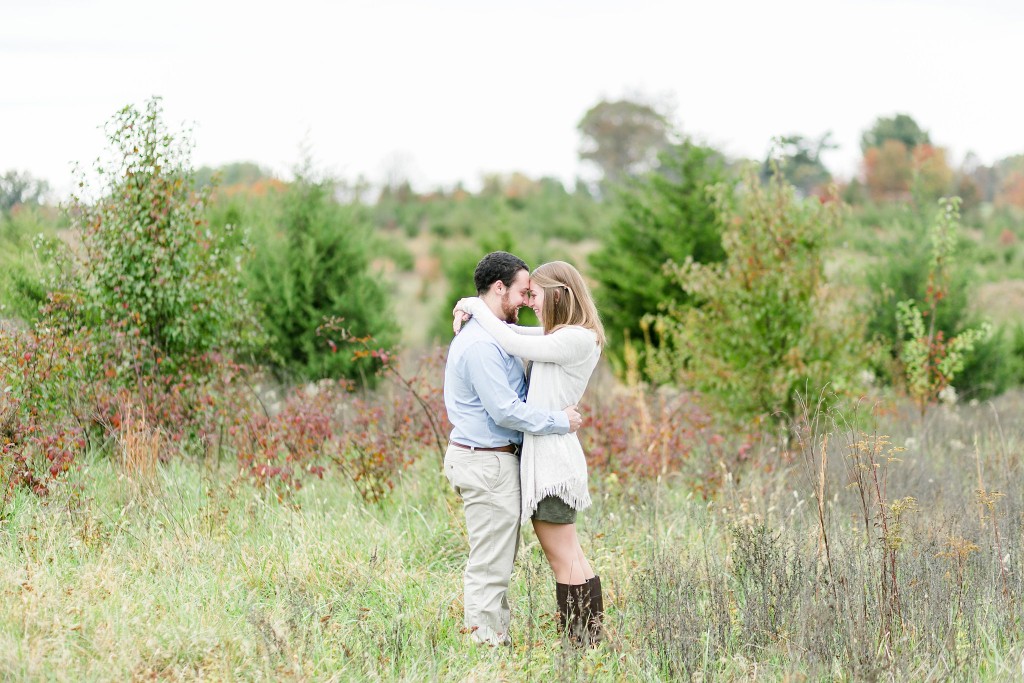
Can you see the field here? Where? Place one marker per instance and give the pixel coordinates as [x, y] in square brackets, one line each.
[833, 555]
[212, 466]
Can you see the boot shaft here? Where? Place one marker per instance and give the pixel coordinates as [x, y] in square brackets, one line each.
[580, 609]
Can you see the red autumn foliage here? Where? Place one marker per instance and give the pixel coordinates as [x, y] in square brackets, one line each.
[65, 391]
[39, 437]
[639, 433]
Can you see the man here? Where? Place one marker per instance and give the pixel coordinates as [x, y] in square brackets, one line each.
[485, 393]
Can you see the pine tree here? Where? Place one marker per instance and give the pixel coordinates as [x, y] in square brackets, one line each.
[316, 266]
[667, 215]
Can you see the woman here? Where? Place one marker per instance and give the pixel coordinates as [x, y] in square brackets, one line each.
[553, 468]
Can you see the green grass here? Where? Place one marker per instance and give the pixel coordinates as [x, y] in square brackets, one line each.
[197, 576]
[205, 578]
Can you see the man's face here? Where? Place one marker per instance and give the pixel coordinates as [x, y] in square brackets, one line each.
[515, 296]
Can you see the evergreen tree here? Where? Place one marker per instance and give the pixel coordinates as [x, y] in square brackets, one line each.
[315, 266]
[666, 215]
[458, 267]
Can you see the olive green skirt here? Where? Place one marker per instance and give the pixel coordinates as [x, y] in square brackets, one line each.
[554, 510]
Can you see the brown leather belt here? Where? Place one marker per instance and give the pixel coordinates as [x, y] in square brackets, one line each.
[511, 448]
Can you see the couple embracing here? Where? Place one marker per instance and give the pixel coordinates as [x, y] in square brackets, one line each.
[514, 454]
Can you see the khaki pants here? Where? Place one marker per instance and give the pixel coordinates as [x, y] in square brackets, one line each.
[488, 483]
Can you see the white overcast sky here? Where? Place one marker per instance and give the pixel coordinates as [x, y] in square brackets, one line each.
[447, 90]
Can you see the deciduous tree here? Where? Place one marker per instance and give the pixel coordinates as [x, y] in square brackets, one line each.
[622, 137]
[901, 128]
[888, 171]
[1010, 173]
[799, 160]
[764, 324]
[20, 188]
[150, 264]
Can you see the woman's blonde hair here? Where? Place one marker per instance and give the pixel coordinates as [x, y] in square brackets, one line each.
[567, 299]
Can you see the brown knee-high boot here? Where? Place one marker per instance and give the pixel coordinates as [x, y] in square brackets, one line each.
[595, 626]
[562, 597]
[574, 611]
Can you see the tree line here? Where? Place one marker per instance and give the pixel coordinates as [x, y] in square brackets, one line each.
[710, 272]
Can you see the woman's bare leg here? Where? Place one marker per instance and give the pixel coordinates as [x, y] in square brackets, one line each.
[562, 548]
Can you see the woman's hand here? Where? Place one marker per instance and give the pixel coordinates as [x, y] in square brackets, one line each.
[460, 318]
[463, 311]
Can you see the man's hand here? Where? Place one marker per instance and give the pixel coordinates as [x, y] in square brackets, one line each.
[575, 419]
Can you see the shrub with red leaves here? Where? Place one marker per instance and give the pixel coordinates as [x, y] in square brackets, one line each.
[370, 436]
[274, 451]
[41, 429]
[647, 434]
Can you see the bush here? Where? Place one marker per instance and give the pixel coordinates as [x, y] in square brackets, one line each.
[763, 325]
[150, 266]
[41, 431]
[995, 366]
[637, 433]
[371, 437]
[903, 273]
[919, 314]
[138, 314]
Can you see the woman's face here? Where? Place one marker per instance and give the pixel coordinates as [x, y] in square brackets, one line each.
[536, 299]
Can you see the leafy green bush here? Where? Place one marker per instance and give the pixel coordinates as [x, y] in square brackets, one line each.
[150, 267]
[930, 359]
[763, 324]
[138, 314]
[44, 377]
[666, 215]
[904, 271]
[1001, 233]
[311, 263]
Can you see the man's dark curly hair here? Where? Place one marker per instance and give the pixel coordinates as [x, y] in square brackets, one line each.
[498, 265]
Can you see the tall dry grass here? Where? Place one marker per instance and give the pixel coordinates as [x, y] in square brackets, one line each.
[810, 564]
[139, 448]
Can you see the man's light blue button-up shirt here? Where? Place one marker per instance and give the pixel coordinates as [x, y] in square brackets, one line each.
[485, 394]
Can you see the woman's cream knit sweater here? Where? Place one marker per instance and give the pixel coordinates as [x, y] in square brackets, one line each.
[553, 464]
